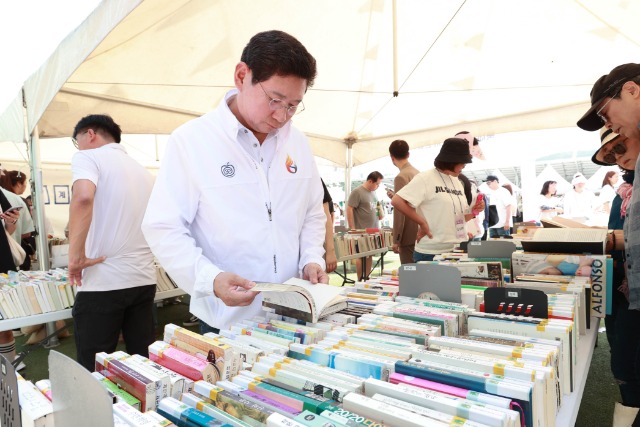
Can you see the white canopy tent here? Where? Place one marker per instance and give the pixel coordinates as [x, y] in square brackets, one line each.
[414, 69]
[419, 70]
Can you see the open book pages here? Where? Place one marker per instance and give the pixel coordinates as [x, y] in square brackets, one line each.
[561, 222]
[300, 299]
[567, 240]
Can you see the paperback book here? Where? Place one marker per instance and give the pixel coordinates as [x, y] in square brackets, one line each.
[300, 299]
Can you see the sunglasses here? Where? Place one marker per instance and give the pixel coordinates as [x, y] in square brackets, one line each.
[620, 148]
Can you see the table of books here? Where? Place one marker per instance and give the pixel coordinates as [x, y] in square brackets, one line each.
[380, 365]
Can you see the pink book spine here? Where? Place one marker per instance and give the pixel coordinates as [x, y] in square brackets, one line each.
[396, 378]
[177, 362]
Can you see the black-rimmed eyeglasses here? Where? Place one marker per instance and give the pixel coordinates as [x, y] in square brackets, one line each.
[278, 104]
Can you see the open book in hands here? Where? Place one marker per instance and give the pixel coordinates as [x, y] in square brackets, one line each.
[300, 299]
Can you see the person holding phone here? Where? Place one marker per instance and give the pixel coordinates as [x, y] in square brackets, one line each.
[13, 184]
[9, 218]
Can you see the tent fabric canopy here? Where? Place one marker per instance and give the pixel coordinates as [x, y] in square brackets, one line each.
[419, 70]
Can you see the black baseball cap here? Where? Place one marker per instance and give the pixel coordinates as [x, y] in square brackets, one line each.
[606, 86]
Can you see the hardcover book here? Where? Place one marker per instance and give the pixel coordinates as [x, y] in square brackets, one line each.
[300, 299]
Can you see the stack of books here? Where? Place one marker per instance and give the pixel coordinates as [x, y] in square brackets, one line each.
[597, 268]
[28, 293]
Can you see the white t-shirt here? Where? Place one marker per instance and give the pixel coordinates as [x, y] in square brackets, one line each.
[607, 194]
[578, 205]
[123, 187]
[547, 203]
[501, 198]
[437, 198]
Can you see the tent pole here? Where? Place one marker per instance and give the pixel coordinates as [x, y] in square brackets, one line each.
[347, 170]
[395, 47]
[42, 245]
[33, 146]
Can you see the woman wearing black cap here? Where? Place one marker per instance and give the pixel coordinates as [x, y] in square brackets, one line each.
[435, 200]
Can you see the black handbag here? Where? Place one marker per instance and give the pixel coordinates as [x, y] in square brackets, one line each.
[493, 215]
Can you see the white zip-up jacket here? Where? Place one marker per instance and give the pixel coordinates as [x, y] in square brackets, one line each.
[213, 209]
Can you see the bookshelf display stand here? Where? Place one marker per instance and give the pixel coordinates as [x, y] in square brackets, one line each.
[9, 394]
[363, 256]
[92, 407]
[52, 316]
[571, 403]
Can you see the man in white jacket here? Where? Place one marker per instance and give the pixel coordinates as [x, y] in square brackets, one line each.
[238, 198]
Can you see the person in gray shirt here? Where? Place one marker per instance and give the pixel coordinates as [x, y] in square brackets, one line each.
[363, 210]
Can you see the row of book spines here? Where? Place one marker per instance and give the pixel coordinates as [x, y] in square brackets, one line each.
[26, 299]
[350, 244]
[347, 414]
[164, 281]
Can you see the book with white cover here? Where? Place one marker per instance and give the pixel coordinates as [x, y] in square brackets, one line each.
[35, 409]
[449, 420]
[299, 298]
[455, 406]
[387, 413]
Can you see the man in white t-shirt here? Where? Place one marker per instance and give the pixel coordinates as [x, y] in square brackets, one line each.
[109, 259]
[501, 198]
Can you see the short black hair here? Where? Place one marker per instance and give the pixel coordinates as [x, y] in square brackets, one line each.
[99, 122]
[399, 149]
[445, 166]
[374, 176]
[275, 52]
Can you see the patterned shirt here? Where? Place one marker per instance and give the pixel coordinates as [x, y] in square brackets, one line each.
[632, 243]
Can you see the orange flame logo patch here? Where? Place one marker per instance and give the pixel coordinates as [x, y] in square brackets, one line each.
[290, 165]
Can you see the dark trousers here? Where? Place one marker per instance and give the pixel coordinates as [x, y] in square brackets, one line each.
[419, 256]
[623, 334]
[100, 316]
[497, 232]
[205, 327]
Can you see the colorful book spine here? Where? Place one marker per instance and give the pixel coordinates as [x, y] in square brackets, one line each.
[386, 413]
[294, 400]
[118, 394]
[176, 381]
[130, 380]
[429, 413]
[489, 399]
[222, 355]
[273, 404]
[181, 362]
[201, 405]
[180, 411]
[45, 388]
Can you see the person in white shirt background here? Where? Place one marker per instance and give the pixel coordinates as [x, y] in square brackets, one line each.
[502, 199]
[579, 202]
[109, 260]
[608, 191]
[238, 198]
[548, 202]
